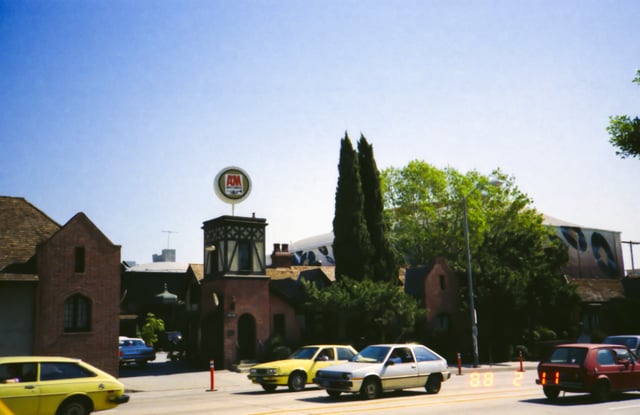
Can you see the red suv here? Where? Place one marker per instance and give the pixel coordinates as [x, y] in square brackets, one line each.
[599, 369]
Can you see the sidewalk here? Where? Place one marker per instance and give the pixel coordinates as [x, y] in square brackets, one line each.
[163, 375]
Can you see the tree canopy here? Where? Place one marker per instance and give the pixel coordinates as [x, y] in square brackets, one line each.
[624, 132]
[516, 260]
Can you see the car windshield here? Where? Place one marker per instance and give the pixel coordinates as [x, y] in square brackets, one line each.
[304, 353]
[372, 354]
[569, 355]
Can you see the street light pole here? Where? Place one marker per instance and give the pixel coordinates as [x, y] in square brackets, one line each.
[474, 323]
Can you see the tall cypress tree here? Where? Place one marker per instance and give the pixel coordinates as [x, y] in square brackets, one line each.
[384, 266]
[352, 248]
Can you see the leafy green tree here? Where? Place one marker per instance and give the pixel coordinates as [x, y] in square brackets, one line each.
[370, 311]
[515, 260]
[624, 132]
[384, 262]
[152, 327]
[352, 248]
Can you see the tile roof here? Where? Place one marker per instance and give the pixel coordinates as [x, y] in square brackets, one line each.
[598, 289]
[22, 228]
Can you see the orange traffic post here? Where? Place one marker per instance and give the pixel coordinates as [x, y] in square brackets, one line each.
[212, 371]
[459, 365]
[521, 367]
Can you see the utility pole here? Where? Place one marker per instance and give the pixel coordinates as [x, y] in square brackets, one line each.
[631, 243]
[169, 236]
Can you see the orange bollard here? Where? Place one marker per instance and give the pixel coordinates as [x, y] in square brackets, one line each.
[521, 367]
[212, 371]
[459, 365]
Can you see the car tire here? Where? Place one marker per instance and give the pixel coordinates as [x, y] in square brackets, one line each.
[73, 407]
[334, 394]
[370, 389]
[602, 391]
[434, 383]
[551, 393]
[297, 381]
[269, 388]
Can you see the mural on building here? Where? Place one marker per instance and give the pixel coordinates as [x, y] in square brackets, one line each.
[593, 253]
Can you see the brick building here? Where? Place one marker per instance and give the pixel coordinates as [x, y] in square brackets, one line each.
[59, 286]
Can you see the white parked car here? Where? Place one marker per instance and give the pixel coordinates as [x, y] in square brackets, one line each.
[383, 367]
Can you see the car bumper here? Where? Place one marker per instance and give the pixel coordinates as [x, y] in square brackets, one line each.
[269, 379]
[119, 399]
[342, 385]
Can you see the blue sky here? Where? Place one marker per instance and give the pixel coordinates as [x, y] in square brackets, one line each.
[126, 110]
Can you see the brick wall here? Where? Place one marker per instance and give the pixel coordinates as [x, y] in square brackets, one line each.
[99, 282]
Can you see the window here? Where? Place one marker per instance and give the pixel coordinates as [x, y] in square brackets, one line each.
[244, 256]
[279, 325]
[425, 355]
[442, 282]
[441, 322]
[77, 314]
[344, 353]
[79, 259]
[605, 357]
[63, 370]
[18, 372]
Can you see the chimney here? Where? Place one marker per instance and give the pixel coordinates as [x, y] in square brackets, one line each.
[281, 258]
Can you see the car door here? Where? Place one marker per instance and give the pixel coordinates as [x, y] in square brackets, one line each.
[19, 389]
[325, 357]
[428, 363]
[629, 369]
[400, 370]
[606, 364]
[60, 379]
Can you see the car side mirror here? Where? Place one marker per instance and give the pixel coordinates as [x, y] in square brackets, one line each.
[389, 363]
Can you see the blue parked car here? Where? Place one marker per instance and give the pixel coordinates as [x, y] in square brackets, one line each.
[134, 350]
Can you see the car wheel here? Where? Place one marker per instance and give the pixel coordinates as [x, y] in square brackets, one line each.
[74, 407]
[433, 384]
[370, 389]
[269, 388]
[602, 391]
[334, 394]
[551, 393]
[297, 381]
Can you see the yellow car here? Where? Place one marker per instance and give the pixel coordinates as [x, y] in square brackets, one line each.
[44, 385]
[300, 368]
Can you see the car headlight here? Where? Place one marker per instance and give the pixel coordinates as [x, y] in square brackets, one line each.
[346, 376]
[253, 371]
[272, 371]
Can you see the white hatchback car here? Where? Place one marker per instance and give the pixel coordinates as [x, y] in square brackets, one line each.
[383, 367]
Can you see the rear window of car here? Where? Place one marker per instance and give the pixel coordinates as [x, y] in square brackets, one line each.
[568, 355]
[344, 353]
[63, 370]
[425, 355]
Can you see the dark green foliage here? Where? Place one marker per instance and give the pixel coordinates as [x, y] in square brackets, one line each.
[516, 260]
[624, 132]
[384, 263]
[352, 247]
[370, 311]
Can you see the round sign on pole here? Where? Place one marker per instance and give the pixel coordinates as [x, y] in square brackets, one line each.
[232, 185]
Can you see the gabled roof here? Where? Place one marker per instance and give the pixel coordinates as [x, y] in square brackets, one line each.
[22, 228]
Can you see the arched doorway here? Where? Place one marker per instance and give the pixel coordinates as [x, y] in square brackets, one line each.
[246, 337]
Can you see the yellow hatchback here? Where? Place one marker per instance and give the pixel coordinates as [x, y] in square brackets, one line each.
[300, 368]
[44, 385]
